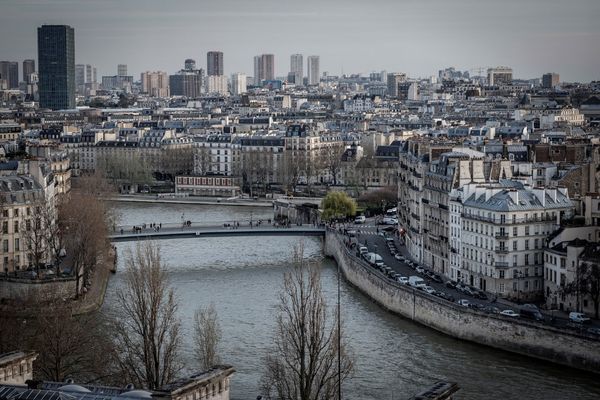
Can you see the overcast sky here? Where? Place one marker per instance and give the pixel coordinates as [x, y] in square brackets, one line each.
[418, 37]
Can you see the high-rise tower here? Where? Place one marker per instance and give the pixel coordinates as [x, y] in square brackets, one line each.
[313, 70]
[56, 58]
[297, 68]
[28, 69]
[214, 63]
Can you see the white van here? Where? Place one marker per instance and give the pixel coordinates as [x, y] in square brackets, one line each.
[361, 219]
[416, 282]
[372, 258]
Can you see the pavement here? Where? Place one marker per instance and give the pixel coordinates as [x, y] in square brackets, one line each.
[375, 239]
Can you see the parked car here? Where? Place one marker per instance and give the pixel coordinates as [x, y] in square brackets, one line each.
[594, 331]
[416, 282]
[445, 296]
[402, 279]
[429, 289]
[492, 310]
[478, 294]
[463, 302]
[578, 317]
[363, 250]
[399, 257]
[361, 219]
[379, 264]
[451, 284]
[530, 311]
[420, 269]
[509, 313]
[437, 278]
[389, 221]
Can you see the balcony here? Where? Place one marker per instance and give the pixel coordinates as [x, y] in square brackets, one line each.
[501, 264]
[424, 201]
[501, 250]
[501, 235]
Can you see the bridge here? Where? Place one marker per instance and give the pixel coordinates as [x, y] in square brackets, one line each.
[180, 231]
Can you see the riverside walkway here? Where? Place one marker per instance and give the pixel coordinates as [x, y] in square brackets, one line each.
[178, 231]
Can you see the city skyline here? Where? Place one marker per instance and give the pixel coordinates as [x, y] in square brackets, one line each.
[528, 39]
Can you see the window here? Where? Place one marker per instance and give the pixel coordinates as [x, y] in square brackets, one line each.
[526, 259]
[501, 274]
[536, 243]
[514, 245]
[515, 231]
[5, 245]
[16, 226]
[526, 244]
[17, 244]
[5, 227]
[526, 230]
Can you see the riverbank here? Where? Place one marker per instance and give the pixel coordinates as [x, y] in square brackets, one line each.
[547, 343]
[32, 292]
[144, 198]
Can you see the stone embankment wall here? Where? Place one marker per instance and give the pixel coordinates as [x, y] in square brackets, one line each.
[520, 336]
[23, 289]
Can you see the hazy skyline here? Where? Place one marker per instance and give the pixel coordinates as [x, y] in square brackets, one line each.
[417, 37]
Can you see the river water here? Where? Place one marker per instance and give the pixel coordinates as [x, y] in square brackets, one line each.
[394, 357]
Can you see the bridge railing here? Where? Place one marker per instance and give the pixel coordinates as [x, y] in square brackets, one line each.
[186, 224]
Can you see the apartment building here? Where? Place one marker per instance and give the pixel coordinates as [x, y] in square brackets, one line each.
[502, 231]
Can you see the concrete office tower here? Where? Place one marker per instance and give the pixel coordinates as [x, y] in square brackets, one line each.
[267, 67]
[214, 63]
[80, 75]
[394, 80]
[9, 71]
[500, 76]
[257, 71]
[189, 64]
[122, 70]
[313, 70]
[94, 75]
[28, 69]
[297, 68]
[550, 80]
[155, 84]
[56, 58]
[238, 84]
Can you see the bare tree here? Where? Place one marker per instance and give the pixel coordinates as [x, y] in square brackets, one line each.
[125, 168]
[147, 333]
[85, 220]
[35, 231]
[207, 334]
[292, 171]
[303, 364]
[176, 161]
[331, 157]
[70, 346]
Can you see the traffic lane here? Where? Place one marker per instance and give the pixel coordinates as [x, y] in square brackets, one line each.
[378, 245]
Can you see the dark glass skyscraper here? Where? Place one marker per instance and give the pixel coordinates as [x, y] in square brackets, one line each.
[56, 59]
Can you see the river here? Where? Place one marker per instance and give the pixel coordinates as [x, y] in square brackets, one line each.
[394, 357]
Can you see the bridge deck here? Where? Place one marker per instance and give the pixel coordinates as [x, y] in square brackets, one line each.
[178, 233]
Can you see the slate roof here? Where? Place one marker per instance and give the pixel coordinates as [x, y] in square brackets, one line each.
[527, 201]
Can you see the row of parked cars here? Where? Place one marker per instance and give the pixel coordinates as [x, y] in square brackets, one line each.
[528, 311]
